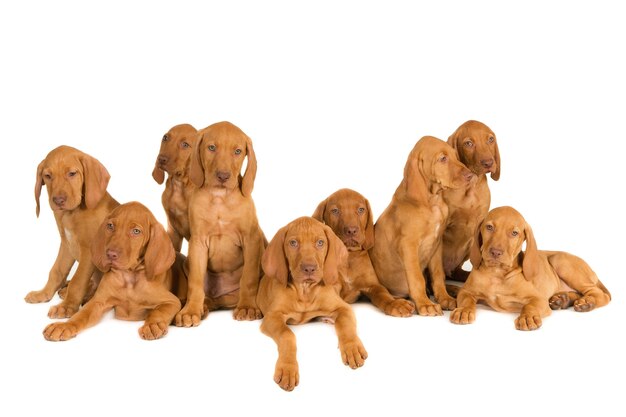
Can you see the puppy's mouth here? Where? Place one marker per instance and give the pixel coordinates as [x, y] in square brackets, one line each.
[352, 244]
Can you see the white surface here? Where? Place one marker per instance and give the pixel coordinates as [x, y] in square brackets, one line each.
[333, 95]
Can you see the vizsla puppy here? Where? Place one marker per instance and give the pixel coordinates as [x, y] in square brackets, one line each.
[350, 217]
[533, 282]
[77, 191]
[137, 257]
[226, 241]
[408, 233]
[477, 148]
[174, 157]
[303, 265]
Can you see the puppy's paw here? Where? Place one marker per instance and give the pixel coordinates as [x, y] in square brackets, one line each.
[56, 332]
[528, 322]
[447, 303]
[400, 308]
[429, 309]
[353, 354]
[34, 297]
[463, 316]
[153, 331]
[559, 301]
[189, 317]
[247, 313]
[286, 374]
[585, 304]
[62, 311]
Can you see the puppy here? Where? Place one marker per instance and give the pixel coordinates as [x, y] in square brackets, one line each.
[77, 191]
[226, 244]
[350, 217]
[477, 148]
[531, 282]
[303, 264]
[140, 273]
[408, 233]
[174, 157]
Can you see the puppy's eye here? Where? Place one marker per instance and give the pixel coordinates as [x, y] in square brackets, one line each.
[361, 210]
[185, 145]
[136, 231]
[468, 144]
[237, 151]
[212, 148]
[320, 243]
[71, 173]
[293, 243]
[334, 211]
[110, 226]
[47, 176]
[443, 158]
[165, 138]
[491, 139]
[489, 228]
[514, 233]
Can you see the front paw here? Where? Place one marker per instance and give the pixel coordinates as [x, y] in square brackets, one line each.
[447, 303]
[247, 313]
[56, 332]
[62, 311]
[429, 309]
[559, 301]
[463, 315]
[38, 297]
[153, 331]
[353, 354]
[400, 308]
[528, 321]
[286, 375]
[189, 317]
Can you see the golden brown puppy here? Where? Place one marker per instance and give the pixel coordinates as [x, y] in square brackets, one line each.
[226, 241]
[302, 265]
[137, 257]
[174, 158]
[531, 282]
[350, 217]
[477, 148]
[77, 191]
[408, 233]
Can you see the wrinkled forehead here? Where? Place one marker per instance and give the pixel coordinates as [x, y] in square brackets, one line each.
[179, 133]
[476, 130]
[346, 198]
[506, 218]
[130, 215]
[305, 229]
[61, 161]
[224, 135]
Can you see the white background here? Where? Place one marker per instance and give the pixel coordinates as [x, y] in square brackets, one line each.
[333, 94]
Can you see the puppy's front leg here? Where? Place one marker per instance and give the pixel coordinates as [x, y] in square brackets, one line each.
[198, 259]
[286, 373]
[247, 308]
[161, 316]
[353, 352]
[416, 281]
[88, 316]
[530, 317]
[438, 278]
[76, 289]
[465, 313]
[57, 276]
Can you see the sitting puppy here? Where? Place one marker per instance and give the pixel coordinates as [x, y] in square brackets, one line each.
[534, 281]
[350, 217]
[174, 157]
[140, 272]
[477, 149]
[409, 232]
[77, 191]
[302, 265]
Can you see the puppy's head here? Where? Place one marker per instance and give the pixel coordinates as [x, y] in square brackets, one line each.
[175, 153]
[499, 242]
[350, 217]
[219, 157]
[305, 252]
[477, 148]
[131, 238]
[72, 178]
[433, 164]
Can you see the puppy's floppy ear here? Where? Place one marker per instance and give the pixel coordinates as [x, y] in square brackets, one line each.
[98, 251]
[158, 174]
[320, 211]
[274, 261]
[247, 181]
[454, 141]
[530, 264]
[414, 182]
[38, 185]
[160, 254]
[96, 180]
[368, 243]
[336, 261]
[196, 170]
[495, 175]
[475, 250]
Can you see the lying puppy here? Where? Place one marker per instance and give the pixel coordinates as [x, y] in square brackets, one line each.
[350, 217]
[477, 148]
[302, 265]
[77, 191]
[534, 281]
[140, 272]
[408, 233]
[174, 157]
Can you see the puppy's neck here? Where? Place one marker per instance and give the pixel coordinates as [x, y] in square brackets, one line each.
[306, 291]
